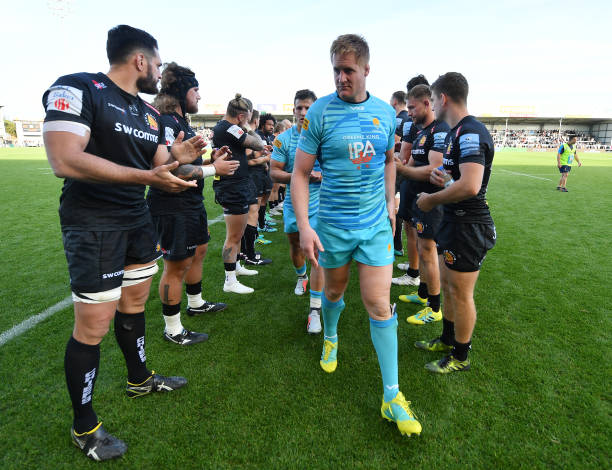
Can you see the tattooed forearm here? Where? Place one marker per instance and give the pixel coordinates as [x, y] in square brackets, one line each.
[188, 172]
[227, 255]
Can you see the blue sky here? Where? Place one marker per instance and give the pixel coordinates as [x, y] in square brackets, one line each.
[552, 58]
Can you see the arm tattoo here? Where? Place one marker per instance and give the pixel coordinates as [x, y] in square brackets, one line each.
[188, 172]
[227, 255]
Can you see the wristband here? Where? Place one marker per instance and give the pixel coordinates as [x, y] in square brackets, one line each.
[208, 170]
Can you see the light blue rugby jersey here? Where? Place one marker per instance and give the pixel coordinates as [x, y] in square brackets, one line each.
[283, 150]
[350, 141]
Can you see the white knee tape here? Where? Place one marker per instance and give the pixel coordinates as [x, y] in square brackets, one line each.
[97, 297]
[131, 277]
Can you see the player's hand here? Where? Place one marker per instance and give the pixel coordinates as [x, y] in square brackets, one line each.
[579, 163]
[224, 166]
[267, 150]
[424, 202]
[186, 151]
[398, 161]
[315, 177]
[311, 245]
[437, 178]
[162, 178]
[216, 153]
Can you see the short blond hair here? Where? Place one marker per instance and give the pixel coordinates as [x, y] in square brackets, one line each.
[351, 43]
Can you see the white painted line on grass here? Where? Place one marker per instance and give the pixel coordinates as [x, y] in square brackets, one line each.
[219, 218]
[525, 174]
[33, 321]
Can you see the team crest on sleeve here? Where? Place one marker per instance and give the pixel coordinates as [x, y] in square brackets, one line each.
[66, 99]
[305, 124]
[469, 144]
[406, 128]
[236, 131]
[152, 122]
[277, 143]
[169, 133]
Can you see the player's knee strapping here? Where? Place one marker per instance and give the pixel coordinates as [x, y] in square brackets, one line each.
[97, 297]
[131, 277]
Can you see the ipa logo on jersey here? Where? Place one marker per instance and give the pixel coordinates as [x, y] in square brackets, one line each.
[376, 121]
[422, 141]
[305, 124]
[360, 152]
[277, 143]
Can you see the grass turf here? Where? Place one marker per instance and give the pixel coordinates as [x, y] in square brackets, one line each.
[538, 394]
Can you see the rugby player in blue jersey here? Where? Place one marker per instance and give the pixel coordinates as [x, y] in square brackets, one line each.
[283, 157]
[351, 134]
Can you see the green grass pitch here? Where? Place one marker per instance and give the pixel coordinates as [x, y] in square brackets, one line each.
[538, 394]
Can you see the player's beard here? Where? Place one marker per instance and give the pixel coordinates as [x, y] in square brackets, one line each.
[147, 84]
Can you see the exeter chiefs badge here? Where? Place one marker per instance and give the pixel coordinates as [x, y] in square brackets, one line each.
[449, 257]
[151, 121]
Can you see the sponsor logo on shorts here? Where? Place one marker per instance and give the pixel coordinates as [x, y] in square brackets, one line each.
[158, 247]
[420, 228]
[112, 275]
[389, 247]
[449, 257]
[152, 122]
[192, 247]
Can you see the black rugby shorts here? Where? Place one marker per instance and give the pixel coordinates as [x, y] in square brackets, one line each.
[96, 260]
[180, 234]
[464, 246]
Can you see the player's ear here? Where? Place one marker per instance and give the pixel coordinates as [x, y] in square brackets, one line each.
[366, 70]
[140, 61]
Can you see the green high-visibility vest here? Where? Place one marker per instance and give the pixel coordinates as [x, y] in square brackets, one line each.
[567, 157]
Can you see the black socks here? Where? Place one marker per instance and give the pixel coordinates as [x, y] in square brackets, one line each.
[460, 351]
[422, 292]
[193, 289]
[448, 332]
[81, 363]
[130, 334]
[250, 235]
[413, 272]
[262, 216]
